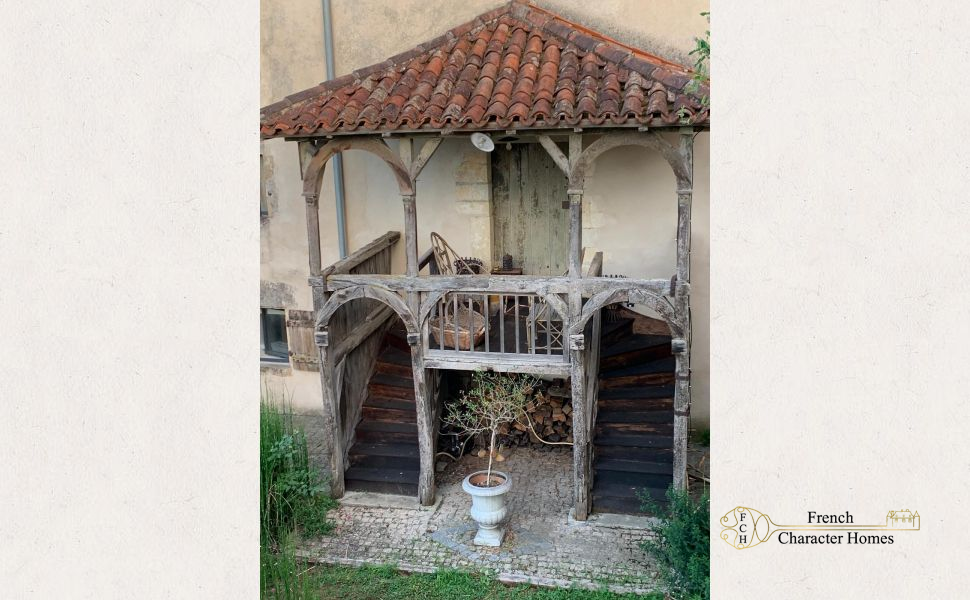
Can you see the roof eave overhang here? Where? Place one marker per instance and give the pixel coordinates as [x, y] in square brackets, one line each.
[532, 130]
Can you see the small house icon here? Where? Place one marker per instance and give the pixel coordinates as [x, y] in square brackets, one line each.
[902, 519]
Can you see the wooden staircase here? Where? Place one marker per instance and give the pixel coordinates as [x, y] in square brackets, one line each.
[384, 457]
[634, 434]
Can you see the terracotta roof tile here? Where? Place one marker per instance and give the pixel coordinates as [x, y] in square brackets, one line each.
[517, 65]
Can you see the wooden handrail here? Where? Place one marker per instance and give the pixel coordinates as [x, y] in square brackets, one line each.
[493, 284]
[356, 258]
[428, 259]
[362, 331]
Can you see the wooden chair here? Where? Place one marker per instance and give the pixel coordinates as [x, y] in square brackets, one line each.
[448, 260]
[449, 263]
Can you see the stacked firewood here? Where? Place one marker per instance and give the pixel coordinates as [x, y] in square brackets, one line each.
[550, 415]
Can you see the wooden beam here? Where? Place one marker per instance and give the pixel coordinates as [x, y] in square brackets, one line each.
[557, 155]
[575, 253]
[410, 234]
[575, 233]
[656, 124]
[575, 149]
[502, 362]
[427, 151]
[494, 284]
[313, 233]
[684, 196]
[406, 150]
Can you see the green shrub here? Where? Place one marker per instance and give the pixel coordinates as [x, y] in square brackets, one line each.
[681, 547]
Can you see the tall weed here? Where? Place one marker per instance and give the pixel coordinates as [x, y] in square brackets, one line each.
[681, 547]
[292, 497]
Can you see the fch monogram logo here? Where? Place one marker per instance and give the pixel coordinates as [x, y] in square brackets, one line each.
[745, 527]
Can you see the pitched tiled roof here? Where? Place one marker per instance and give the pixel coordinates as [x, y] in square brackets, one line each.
[516, 67]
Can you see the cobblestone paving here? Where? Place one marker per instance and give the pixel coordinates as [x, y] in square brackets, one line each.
[541, 545]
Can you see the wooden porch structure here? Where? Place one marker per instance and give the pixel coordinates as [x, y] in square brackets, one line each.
[576, 299]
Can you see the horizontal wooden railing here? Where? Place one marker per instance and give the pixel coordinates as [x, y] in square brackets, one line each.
[491, 284]
[504, 322]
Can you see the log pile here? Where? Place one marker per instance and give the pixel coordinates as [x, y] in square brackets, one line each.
[550, 413]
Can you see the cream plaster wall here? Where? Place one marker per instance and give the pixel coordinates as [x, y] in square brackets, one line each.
[630, 210]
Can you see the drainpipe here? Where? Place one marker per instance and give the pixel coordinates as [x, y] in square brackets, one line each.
[338, 159]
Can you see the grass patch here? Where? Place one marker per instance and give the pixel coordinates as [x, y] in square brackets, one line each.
[682, 544]
[292, 497]
[386, 583]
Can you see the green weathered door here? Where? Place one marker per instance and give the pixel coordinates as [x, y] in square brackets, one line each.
[528, 218]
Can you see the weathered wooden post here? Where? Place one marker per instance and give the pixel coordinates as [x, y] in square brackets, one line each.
[426, 425]
[581, 462]
[333, 440]
[427, 428]
[682, 308]
[422, 399]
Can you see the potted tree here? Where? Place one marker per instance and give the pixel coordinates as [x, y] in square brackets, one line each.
[493, 399]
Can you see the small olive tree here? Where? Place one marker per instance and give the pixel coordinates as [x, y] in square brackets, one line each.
[493, 399]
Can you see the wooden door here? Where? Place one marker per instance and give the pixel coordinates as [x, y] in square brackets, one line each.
[528, 218]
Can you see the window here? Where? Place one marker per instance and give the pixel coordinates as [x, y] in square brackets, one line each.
[273, 345]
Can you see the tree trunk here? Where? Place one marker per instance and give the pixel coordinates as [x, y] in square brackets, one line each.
[491, 452]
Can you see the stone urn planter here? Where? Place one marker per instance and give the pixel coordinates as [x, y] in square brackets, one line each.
[488, 506]
[491, 400]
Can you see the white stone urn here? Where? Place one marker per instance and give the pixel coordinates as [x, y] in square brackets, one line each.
[488, 506]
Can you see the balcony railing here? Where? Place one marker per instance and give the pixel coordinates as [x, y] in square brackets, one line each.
[503, 323]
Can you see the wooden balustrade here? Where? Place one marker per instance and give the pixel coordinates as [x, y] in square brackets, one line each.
[502, 323]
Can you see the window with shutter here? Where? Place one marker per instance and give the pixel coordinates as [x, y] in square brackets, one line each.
[274, 346]
[304, 354]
